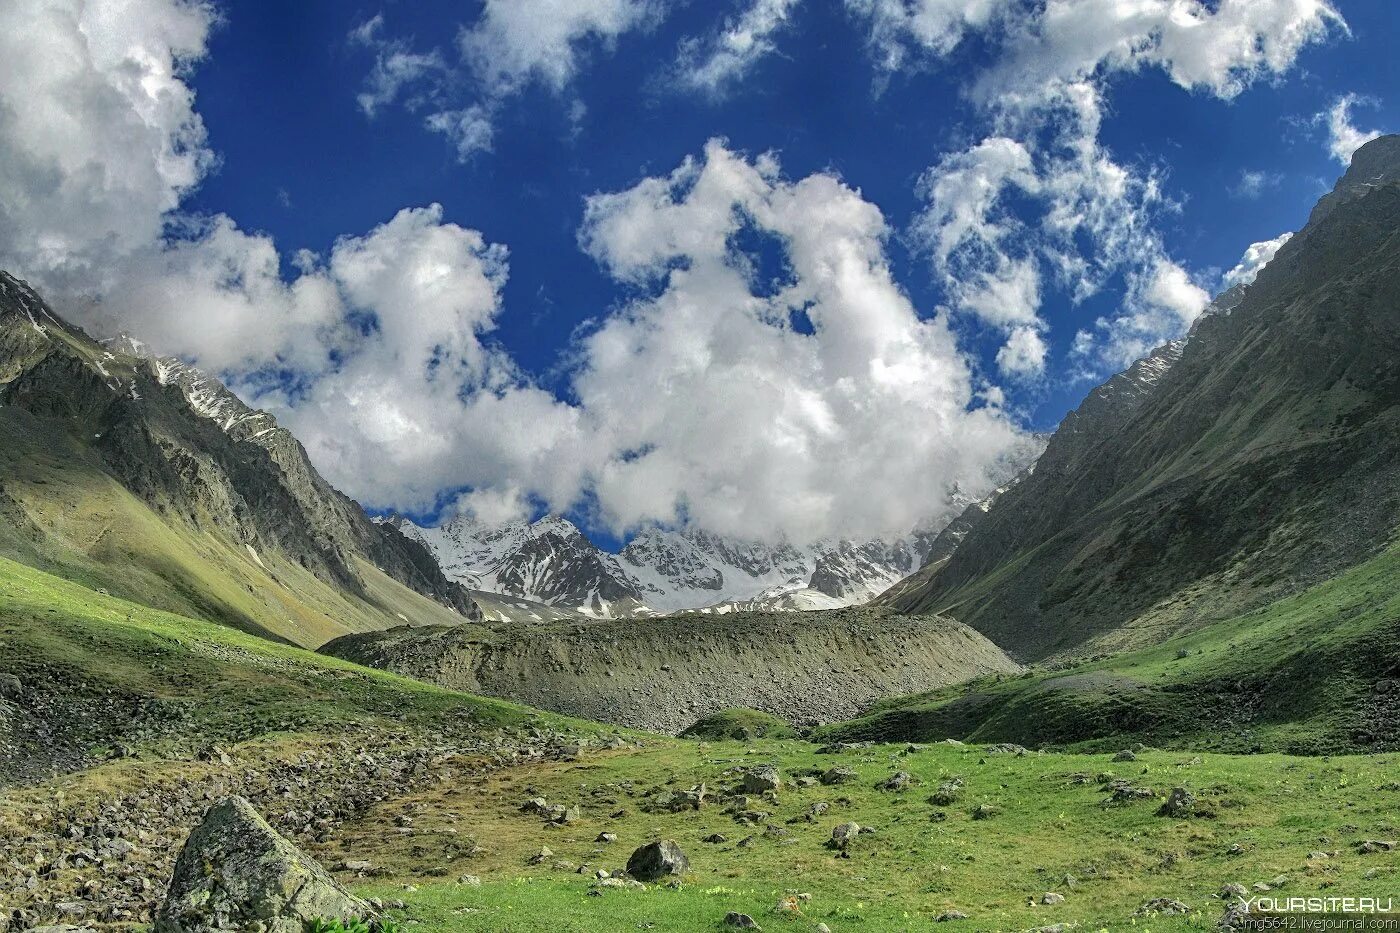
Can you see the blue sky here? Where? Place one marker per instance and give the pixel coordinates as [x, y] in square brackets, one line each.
[1223, 135]
[278, 96]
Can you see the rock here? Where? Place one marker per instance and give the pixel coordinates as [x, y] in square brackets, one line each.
[355, 865]
[843, 835]
[1180, 803]
[542, 856]
[762, 778]
[947, 793]
[1125, 755]
[606, 838]
[1006, 748]
[1164, 906]
[948, 915]
[1376, 845]
[715, 838]
[838, 775]
[823, 928]
[740, 921]
[1231, 892]
[1050, 897]
[11, 687]
[985, 811]
[900, 780]
[656, 860]
[1235, 917]
[236, 872]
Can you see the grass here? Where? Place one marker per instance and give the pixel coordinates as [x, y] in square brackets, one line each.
[1052, 833]
[114, 673]
[1262, 816]
[70, 517]
[741, 724]
[1307, 674]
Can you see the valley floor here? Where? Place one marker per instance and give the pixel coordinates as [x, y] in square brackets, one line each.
[443, 834]
[120, 725]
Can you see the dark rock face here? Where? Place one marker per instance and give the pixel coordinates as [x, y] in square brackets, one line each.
[237, 873]
[657, 860]
[1257, 456]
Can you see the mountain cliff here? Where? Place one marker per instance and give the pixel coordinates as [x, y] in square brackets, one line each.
[152, 480]
[1256, 457]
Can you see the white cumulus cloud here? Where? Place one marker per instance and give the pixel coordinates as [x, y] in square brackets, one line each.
[1343, 138]
[1256, 257]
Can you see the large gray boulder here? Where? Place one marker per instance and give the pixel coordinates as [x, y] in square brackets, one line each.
[657, 860]
[236, 873]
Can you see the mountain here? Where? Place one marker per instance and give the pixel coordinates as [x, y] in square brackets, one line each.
[149, 479]
[551, 563]
[1248, 462]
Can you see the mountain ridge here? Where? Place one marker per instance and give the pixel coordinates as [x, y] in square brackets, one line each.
[1256, 459]
[153, 479]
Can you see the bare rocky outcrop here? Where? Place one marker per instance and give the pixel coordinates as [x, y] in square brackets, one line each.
[237, 873]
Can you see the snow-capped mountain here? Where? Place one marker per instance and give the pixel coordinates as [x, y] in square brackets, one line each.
[551, 563]
[660, 571]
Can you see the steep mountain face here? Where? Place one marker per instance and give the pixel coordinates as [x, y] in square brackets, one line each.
[154, 479]
[660, 571]
[1257, 456]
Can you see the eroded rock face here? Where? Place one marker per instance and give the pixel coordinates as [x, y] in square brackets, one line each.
[236, 873]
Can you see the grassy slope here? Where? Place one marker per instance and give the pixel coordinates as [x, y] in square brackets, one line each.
[1278, 809]
[92, 530]
[108, 672]
[1311, 673]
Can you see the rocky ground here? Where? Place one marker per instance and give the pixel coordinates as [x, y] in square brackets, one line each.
[98, 848]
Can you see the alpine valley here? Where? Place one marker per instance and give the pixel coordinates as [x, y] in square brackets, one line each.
[1146, 679]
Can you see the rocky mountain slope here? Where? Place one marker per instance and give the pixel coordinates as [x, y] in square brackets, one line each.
[664, 674]
[150, 479]
[552, 563]
[1256, 457]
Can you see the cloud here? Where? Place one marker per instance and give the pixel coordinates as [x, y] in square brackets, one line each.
[470, 130]
[1042, 194]
[714, 63]
[898, 28]
[511, 44]
[1220, 48]
[99, 137]
[718, 408]
[1256, 257]
[1023, 354]
[1252, 184]
[700, 401]
[1342, 137]
[515, 41]
[397, 68]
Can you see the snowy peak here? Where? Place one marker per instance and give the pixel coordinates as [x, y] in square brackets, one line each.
[551, 562]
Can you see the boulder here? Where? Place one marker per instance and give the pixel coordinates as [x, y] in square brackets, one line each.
[760, 779]
[838, 775]
[897, 781]
[1180, 803]
[843, 835]
[656, 860]
[236, 873]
